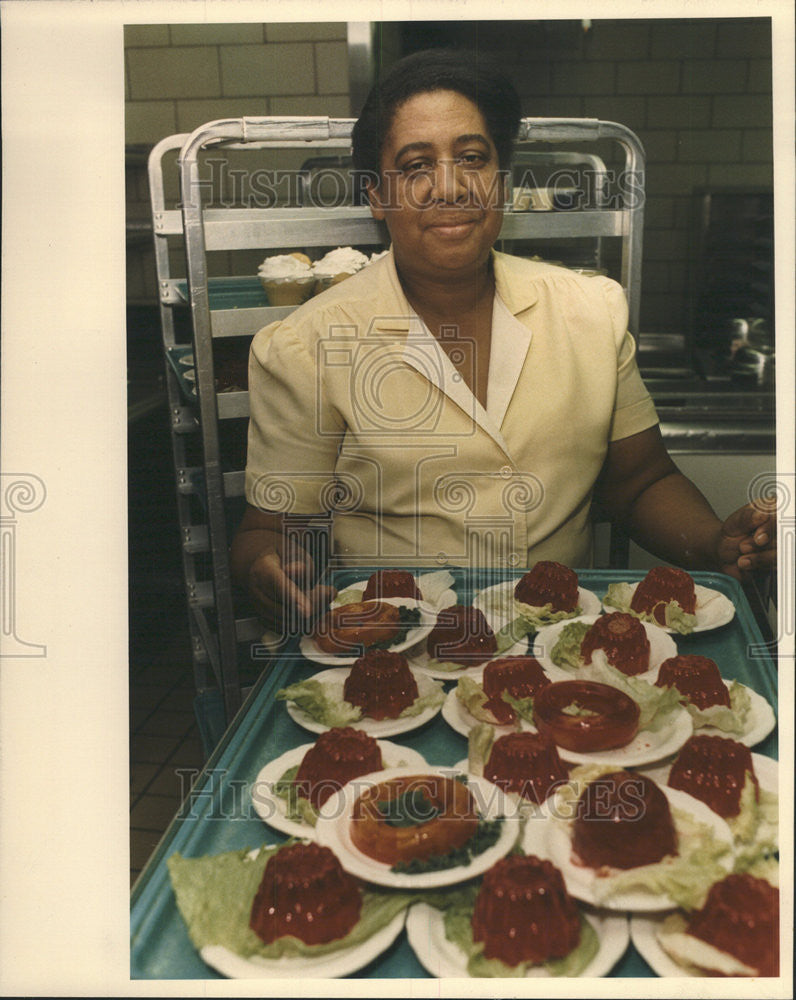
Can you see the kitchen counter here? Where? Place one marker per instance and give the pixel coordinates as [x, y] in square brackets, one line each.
[701, 408]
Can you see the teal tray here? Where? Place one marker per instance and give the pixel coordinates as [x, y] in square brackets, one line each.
[231, 293]
[218, 815]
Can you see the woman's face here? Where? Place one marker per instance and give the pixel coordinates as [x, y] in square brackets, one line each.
[441, 192]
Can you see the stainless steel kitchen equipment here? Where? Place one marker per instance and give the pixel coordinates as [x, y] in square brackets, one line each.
[222, 309]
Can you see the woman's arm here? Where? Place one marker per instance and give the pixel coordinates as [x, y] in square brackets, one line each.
[278, 574]
[641, 489]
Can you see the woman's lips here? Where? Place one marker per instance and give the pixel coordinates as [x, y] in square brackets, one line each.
[455, 226]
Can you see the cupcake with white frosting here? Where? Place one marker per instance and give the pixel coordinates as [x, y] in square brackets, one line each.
[337, 265]
[288, 279]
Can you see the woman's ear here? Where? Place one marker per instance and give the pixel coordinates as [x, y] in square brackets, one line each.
[372, 190]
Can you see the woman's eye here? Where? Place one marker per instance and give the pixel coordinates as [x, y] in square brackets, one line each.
[416, 166]
[472, 159]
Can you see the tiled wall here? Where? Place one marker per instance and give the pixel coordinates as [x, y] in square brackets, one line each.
[180, 76]
[697, 92]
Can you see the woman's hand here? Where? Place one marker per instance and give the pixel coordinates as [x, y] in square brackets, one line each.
[278, 574]
[748, 539]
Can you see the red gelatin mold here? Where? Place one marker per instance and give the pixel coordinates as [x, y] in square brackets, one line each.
[696, 677]
[336, 757]
[623, 639]
[525, 763]
[661, 585]
[523, 912]
[623, 820]
[713, 769]
[381, 684]
[741, 917]
[461, 635]
[520, 676]
[391, 583]
[551, 583]
[305, 893]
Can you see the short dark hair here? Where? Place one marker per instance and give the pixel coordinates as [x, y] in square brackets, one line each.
[468, 73]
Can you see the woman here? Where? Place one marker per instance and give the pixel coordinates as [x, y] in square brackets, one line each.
[469, 407]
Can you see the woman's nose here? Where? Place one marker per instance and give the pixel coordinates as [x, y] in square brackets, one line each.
[449, 181]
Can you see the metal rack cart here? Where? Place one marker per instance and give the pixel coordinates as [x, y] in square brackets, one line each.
[215, 309]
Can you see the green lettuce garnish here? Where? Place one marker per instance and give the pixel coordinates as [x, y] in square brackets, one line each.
[326, 706]
[314, 698]
[756, 827]
[351, 595]
[730, 719]
[685, 877]
[297, 808]
[522, 706]
[215, 894]
[479, 746]
[472, 695]
[619, 596]
[487, 834]
[566, 650]
[458, 918]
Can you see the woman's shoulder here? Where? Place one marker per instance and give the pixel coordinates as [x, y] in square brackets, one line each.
[354, 300]
[529, 278]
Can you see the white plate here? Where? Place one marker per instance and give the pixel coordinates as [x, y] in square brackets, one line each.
[422, 663]
[497, 603]
[329, 966]
[461, 721]
[309, 648]
[645, 748]
[662, 646]
[425, 928]
[334, 681]
[446, 598]
[759, 723]
[333, 830]
[272, 808]
[713, 609]
[644, 935]
[552, 836]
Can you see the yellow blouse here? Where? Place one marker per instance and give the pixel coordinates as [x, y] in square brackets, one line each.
[356, 409]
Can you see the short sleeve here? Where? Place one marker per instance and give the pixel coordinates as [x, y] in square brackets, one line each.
[294, 434]
[634, 410]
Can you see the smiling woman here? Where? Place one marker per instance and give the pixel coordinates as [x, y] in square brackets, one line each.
[471, 406]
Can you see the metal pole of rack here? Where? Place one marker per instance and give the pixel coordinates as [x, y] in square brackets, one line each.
[230, 132]
[632, 188]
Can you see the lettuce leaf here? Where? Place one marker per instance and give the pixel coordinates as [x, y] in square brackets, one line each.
[474, 698]
[685, 877]
[756, 827]
[351, 595]
[313, 697]
[728, 720]
[298, 809]
[215, 894]
[434, 584]
[479, 746]
[566, 650]
[326, 706]
[522, 706]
